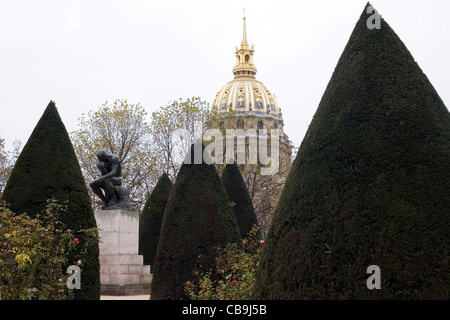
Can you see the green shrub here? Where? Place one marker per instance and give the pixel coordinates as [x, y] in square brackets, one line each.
[370, 184]
[33, 254]
[198, 219]
[235, 272]
[242, 203]
[47, 168]
[151, 219]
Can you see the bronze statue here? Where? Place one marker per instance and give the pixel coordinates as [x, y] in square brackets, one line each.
[115, 196]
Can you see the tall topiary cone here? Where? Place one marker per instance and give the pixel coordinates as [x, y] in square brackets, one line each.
[151, 219]
[198, 219]
[370, 184]
[48, 168]
[238, 193]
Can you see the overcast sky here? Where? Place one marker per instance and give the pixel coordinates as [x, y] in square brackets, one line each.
[83, 53]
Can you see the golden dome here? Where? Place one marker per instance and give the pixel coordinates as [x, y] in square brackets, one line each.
[245, 93]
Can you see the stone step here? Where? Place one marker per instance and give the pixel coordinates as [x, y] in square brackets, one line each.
[121, 259]
[125, 268]
[125, 289]
[129, 278]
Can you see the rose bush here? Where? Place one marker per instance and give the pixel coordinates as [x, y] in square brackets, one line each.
[33, 254]
[236, 266]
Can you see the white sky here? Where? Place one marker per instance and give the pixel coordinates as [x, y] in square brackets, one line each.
[83, 53]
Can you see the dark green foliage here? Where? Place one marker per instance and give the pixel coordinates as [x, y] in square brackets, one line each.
[151, 219]
[242, 203]
[48, 168]
[370, 184]
[198, 219]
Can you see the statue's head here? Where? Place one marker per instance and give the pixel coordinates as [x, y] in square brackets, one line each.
[102, 155]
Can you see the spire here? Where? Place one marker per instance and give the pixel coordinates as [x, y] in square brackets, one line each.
[244, 36]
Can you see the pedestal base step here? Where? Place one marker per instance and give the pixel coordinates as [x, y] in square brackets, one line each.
[125, 268]
[124, 289]
[121, 259]
[125, 278]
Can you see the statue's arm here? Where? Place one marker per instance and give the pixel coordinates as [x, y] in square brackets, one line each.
[101, 167]
[113, 172]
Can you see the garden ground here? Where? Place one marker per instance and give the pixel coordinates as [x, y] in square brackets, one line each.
[140, 297]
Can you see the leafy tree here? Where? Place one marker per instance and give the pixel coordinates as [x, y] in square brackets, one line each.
[151, 219]
[7, 160]
[264, 190]
[119, 128]
[242, 204]
[174, 127]
[370, 184]
[198, 219]
[47, 168]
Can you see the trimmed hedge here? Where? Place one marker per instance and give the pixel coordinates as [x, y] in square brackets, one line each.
[370, 184]
[151, 219]
[48, 168]
[198, 219]
[242, 203]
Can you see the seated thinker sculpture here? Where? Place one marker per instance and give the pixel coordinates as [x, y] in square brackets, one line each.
[115, 196]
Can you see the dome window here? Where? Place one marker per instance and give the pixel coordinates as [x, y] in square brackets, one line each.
[240, 124]
[260, 124]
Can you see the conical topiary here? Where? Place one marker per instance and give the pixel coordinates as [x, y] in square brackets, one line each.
[47, 168]
[198, 219]
[238, 193]
[151, 219]
[370, 184]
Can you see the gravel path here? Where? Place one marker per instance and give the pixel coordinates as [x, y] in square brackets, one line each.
[142, 297]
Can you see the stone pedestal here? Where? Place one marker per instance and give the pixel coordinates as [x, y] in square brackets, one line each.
[122, 271]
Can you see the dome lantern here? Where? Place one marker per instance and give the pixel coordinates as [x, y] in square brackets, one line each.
[245, 66]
